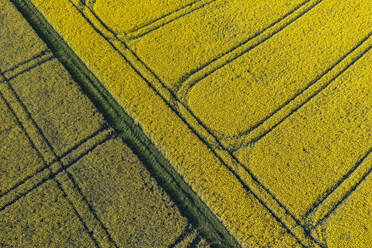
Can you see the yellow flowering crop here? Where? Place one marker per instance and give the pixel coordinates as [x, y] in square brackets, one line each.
[261, 81]
[261, 106]
[65, 181]
[42, 218]
[56, 105]
[126, 198]
[137, 13]
[310, 151]
[350, 230]
[190, 42]
[13, 147]
[14, 28]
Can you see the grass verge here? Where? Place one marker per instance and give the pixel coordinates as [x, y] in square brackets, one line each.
[185, 198]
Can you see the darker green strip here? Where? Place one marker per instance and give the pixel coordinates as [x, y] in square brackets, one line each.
[181, 193]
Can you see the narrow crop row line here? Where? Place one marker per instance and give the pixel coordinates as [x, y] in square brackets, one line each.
[189, 229]
[195, 242]
[331, 190]
[338, 204]
[163, 16]
[62, 169]
[192, 129]
[157, 24]
[190, 79]
[31, 67]
[65, 154]
[313, 95]
[42, 53]
[45, 179]
[359, 169]
[129, 130]
[299, 93]
[52, 175]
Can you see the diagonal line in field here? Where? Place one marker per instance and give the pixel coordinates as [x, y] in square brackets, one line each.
[216, 139]
[313, 82]
[76, 187]
[40, 183]
[161, 21]
[65, 154]
[331, 211]
[191, 78]
[188, 230]
[42, 53]
[314, 94]
[253, 178]
[195, 241]
[360, 170]
[331, 190]
[140, 33]
[164, 16]
[52, 175]
[31, 67]
[44, 162]
[177, 113]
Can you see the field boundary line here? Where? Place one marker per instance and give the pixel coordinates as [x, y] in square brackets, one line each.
[50, 150]
[56, 171]
[195, 241]
[23, 119]
[53, 169]
[185, 233]
[159, 167]
[157, 23]
[250, 137]
[19, 119]
[280, 212]
[59, 168]
[166, 19]
[344, 187]
[34, 64]
[133, 30]
[14, 67]
[191, 78]
[120, 47]
[41, 170]
[349, 193]
[328, 203]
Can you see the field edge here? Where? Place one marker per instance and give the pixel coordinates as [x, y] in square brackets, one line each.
[190, 205]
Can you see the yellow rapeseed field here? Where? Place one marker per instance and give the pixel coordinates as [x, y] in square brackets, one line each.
[261, 106]
[136, 212]
[13, 144]
[343, 229]
[12, 29]
[336, 121]
[261, 81]
[42, 218]
[190, 42]
[66, 178]
[56, 104]
[137, 15]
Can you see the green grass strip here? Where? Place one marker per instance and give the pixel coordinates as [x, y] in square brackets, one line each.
[180, 192]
